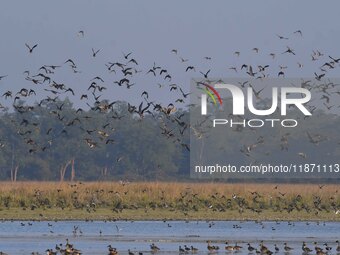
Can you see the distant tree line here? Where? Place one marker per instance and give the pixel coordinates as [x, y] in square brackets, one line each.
[55, 141]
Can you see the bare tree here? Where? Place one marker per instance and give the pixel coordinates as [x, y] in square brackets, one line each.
[14, 169]
[63, 170]
[103, 173]
[14, 173]
[73, 171]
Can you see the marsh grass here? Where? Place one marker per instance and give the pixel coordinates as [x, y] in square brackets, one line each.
[158, 200]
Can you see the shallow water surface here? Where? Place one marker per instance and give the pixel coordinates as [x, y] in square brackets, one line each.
[94, 237]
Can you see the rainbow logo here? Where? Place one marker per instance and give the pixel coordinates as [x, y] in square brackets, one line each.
[211, 92]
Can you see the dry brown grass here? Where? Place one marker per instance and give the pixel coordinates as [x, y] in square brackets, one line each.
[171, 189]
[168, 196]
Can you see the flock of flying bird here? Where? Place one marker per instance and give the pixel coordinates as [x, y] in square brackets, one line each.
[189, 201]
[123, 73]
[127, 67]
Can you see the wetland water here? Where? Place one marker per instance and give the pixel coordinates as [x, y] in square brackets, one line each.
[93, 237]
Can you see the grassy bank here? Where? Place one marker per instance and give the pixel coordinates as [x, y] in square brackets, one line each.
[157, 201]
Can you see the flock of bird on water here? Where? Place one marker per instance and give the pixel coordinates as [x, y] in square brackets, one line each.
[123, 74]
[325, 248]
[261, 249]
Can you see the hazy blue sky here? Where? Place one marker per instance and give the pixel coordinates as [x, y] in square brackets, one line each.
[151, 29]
